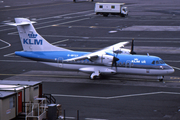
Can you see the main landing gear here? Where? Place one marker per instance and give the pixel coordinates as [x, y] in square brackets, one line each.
[94, 75]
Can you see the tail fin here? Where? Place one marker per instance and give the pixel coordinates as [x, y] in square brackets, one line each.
[30, 39]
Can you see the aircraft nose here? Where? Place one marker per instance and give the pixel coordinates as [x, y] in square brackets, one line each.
[171, 70]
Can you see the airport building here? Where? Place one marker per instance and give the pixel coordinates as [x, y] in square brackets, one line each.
[15, 94]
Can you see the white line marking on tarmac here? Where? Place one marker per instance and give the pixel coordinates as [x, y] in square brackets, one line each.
[7, 29]
[53, 20]
[10, 55]
[60, 41]
[70, 117]
[60, 19]
[64, 15]
[8, 44]
[94, 119]
[18, 61]
[78, 96]
[115, 97]
[172, 60]
[56, 24]
[64, 22]
[151, 28]
[85, 118]
[175, 68]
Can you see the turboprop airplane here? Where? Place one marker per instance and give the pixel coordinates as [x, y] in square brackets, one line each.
[110, 60]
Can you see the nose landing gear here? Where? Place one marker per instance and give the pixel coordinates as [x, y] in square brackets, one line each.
[160, 78]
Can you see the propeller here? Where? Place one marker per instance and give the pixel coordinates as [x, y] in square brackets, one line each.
[115, 54]
[114, 62]
[132, 47]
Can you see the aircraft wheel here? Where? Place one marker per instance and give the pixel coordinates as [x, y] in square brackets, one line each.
[160, 78]
[92, 77]
[74, 0]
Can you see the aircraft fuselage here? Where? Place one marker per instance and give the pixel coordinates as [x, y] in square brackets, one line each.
[127, 64]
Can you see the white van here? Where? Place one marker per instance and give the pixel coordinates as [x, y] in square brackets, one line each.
[111, 8]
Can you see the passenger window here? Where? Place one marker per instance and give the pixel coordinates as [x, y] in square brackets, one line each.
[120, 64]
[157, 62]
[100, 6]
[113, 7]
[132, 64]
[153, 62]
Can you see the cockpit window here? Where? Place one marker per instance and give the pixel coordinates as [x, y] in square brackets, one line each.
[157, 62]
[153, 62]
[161, 62]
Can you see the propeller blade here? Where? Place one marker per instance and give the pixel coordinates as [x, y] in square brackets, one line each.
[132, 47]
[114, 61]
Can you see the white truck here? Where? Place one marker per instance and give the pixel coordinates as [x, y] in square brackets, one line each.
[111, 8]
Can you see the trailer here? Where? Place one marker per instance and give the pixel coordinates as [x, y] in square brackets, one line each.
[111, 8]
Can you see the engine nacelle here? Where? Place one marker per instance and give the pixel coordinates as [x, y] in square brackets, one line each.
[104, 59]
[122, 51]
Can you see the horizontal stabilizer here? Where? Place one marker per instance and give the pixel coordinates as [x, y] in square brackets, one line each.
[22, 23]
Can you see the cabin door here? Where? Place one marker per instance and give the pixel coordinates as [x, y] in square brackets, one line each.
[60, 62]
[19, 102]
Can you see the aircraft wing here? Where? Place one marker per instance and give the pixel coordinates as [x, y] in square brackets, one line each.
[88, 56]
[115, 47]
[108, 50]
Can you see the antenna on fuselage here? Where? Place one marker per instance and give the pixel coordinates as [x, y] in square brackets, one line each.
[147, 54]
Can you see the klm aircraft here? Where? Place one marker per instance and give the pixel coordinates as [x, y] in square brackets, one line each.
[110, 60]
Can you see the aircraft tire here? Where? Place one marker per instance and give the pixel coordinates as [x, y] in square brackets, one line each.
[161, 79]
[92, 77]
